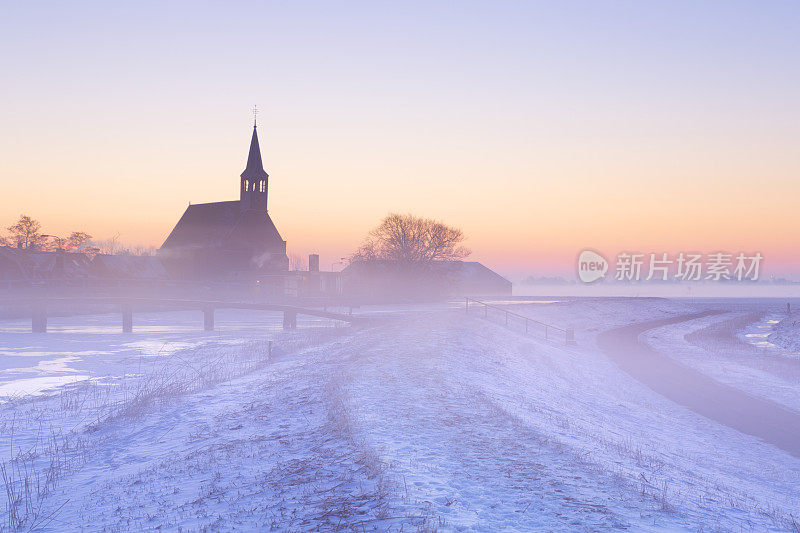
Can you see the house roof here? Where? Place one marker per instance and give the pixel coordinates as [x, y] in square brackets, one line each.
[128, 266]
[464, 271]
[11, 265]
[474, 271]
[223, 224]
[34, 264]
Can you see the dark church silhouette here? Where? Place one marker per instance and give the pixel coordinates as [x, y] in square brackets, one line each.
[228, 240]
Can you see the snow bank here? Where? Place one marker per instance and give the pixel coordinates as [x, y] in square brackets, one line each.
[787, 334]
[712, 346]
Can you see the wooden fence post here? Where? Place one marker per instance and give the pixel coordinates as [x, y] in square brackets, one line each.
[208, 319]
[39, 319]
[127, 320]
[289, 320]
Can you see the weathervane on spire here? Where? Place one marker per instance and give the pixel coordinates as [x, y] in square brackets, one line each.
[255, 115]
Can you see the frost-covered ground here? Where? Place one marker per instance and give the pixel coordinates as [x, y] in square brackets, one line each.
[731, 348]
[426, 419]
[787, 334]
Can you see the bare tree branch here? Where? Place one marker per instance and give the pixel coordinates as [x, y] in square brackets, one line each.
[412, 239]
[26, 233]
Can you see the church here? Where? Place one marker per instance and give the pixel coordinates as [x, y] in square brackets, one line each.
[228, 240]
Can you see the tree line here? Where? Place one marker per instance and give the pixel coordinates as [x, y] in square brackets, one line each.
[26, 234]
[399, 238]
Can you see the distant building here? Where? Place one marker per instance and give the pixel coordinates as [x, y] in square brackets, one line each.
[228, 240]
[11, 268]
[127, 267]
[475, 279]
[315, 283]
[35, 265]
[60, 267]
[385, 280]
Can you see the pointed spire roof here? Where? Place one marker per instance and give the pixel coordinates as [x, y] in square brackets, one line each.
[254, 169]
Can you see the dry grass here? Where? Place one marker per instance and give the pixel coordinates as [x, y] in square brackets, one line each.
[56, 434]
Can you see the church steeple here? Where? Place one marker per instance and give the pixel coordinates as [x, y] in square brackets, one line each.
[253, 186]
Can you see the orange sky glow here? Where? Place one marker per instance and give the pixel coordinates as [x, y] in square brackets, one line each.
[538, 132]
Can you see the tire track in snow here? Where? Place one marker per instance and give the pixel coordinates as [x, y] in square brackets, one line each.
[450, 446]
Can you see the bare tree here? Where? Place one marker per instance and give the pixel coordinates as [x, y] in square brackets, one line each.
[412, 239]
[73, 243]
[58, 243]
[297, 262]
[26, 233]
[77, 239]
[110, 246]
[140, 251]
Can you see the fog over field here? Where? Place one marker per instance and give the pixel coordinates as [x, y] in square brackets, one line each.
[418, 417]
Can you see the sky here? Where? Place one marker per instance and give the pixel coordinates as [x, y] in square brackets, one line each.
[539, 128]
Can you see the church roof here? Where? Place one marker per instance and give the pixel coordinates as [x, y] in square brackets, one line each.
[225, 225]
[255, 168]
[253, 227]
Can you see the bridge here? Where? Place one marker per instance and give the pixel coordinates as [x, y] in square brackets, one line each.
[39, 308]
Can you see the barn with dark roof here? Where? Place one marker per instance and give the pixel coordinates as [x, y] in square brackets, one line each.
[228, 240]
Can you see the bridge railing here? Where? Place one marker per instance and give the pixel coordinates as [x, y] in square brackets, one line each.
[40, 308]
[549, 330]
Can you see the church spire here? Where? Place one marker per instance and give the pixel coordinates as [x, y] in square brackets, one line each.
[253, 186]
[255, 168]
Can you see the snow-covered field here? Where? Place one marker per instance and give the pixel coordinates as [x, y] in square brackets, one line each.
[731, 348]
[787, 334]
[425, 419]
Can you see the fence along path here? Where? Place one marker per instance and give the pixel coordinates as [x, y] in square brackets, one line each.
[550, 331]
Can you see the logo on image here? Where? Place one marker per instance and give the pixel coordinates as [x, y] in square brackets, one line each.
[591, 266]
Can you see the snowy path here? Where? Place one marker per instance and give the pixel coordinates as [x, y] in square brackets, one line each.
[759, 417]
[454, 447]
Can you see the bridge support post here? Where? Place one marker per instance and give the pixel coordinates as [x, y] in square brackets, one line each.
[208, 319]
[127, 320]
[290, 320]
[569, 336]
[39, 319]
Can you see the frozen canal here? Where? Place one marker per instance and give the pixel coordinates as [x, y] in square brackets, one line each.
[92, 346]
